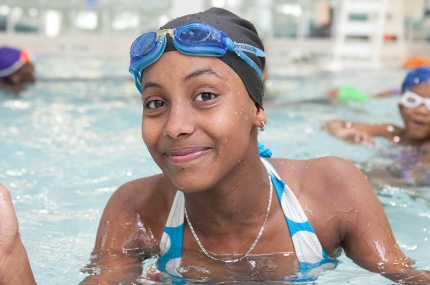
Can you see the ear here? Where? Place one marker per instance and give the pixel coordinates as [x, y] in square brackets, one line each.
[260, 118]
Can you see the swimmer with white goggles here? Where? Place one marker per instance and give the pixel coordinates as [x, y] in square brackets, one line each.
[412, 100]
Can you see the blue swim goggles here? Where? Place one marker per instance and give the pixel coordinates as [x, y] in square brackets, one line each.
[196, 38]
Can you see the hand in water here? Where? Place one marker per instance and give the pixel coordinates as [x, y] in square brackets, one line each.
[356, 136]
[348, 134]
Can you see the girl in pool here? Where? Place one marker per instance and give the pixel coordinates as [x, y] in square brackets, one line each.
[219, 211]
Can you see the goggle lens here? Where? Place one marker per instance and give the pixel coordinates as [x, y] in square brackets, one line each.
[193, 36]
[143, 45]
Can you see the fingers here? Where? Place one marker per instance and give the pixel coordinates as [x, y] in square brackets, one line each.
[8, 220]
[4, 193]
[364, 139]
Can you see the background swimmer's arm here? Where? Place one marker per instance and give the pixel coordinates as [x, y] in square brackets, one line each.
[354, 132]
[14, 265]
[365, 233]
[387, 93]
[116, 257]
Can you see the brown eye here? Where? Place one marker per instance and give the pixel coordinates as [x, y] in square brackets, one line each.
[205, 96]
[155, 104]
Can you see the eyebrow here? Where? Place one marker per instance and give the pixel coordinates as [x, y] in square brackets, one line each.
[200, 72]
[149, 85]
[196, 73]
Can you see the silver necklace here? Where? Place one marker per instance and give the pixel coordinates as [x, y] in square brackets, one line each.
[230, 261]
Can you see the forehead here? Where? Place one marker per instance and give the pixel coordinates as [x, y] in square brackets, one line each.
[422, 89]
[177, 65]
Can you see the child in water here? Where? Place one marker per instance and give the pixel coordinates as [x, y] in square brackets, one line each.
[414, 107]
[222, 209]
[16, 69]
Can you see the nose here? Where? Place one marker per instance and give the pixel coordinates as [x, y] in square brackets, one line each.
[180, 121]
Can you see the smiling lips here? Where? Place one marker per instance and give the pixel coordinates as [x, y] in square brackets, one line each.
[184, 155]
[418, 123]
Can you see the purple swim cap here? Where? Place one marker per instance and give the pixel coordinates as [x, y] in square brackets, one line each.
[11, 60]
[415, 77]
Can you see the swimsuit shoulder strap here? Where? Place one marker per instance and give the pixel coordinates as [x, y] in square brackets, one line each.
[308, 248]
[171, 240]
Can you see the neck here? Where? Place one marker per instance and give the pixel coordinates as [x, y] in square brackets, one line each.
[239, 200]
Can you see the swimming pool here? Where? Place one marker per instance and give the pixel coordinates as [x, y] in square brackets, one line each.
[70, 140]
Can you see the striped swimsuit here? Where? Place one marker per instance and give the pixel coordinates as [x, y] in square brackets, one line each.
[312, 258]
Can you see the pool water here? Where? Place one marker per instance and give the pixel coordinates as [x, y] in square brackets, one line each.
[67, 142]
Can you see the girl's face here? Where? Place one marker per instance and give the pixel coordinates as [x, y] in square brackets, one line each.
[198, 120]
[417, 120]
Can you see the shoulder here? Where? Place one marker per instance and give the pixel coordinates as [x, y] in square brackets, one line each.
[322, 180]
[145, 195]
[329, 189]
[326, 169]
[138, 208]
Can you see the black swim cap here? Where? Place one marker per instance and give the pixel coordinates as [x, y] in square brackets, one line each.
[240, 31]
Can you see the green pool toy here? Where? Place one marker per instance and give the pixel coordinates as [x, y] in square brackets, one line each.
[347, 93]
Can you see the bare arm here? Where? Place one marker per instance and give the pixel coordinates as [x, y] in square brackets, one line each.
[353, 132]
[14, 264]
[365, 233]
[124, 239]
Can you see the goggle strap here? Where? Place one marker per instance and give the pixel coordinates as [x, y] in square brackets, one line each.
[250, 62]
[249, 48]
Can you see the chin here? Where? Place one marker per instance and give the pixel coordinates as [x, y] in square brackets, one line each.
[186, 181]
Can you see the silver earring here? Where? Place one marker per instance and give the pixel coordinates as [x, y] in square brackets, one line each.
[261, 129]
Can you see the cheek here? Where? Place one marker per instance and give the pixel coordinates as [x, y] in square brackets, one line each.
[404, 113]
[238, 116]
[149, 134]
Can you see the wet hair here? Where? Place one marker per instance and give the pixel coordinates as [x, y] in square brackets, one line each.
[239, 30]
[415, 77]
